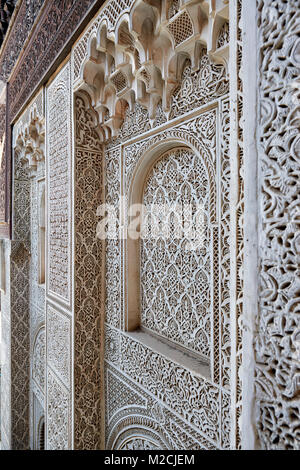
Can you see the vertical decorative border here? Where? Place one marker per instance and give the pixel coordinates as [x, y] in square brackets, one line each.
[88, 366]
[136, 148]
[20, 345]
[22, 253]
[2, 151]
[6, 354]
[5, 222]
[58, 414]
[59, 197]
[237, 216]
[277, 340]
[251, 210]
[59, 187]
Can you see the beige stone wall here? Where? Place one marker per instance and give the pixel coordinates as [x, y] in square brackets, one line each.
[22, 299]
[179, 101]
[277, 324]
[132, 344]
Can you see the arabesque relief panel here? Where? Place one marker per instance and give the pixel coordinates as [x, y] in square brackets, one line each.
[277, 338]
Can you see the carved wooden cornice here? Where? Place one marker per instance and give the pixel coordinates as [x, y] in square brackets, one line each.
[57, 26]
[6, 11]
[20, 27]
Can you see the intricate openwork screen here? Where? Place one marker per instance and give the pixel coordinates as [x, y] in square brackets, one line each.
[175, 251]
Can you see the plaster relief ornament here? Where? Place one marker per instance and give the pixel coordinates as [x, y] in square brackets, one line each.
[139, 57]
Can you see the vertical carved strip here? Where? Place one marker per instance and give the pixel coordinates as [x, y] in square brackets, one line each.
[240, 226]
[20, 346]
[216, 304]
[237, 214]
[58, 414]
[113, 246]
[24, 300]
[5, 163]
[2, 151]
[225, 246]
[59, 266]
[6, 355]
[277, 341]
[59, 187]
[89, 282]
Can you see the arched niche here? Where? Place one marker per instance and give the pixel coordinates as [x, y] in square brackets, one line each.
[135, 314]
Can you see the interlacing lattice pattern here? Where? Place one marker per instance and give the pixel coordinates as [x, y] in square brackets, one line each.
[171, 405]
[20, 344]
[38, 360]
[198, 88]
[148, 368]
[181, 28]
[88, 309]
[112, 261]
[224, 318]
[59, 170]
[165, 428]
[27, 341]
[59, 281]
[175, 268]
[58, 409]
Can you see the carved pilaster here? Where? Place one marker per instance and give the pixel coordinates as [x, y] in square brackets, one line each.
[88, 281]
[277, 340]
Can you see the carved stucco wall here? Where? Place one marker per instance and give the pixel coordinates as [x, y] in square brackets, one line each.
[23, 301]
[204, 420]
[142, 410]
[20, 345]
[89, 281]
[6, 353]
[176, 298]
[37, 314]
[277, 341]
[74, 343]
[26, 15]
[2, 146]
[29, 134]
[59, 273]
[15, 329]
[237, 210]
[136, 366]
[59, 188]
